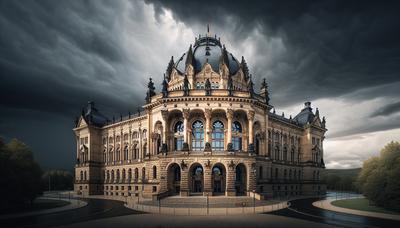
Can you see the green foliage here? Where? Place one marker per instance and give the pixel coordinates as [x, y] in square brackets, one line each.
[59, 180]
[20, 175]
[341, 179]
[379, 178]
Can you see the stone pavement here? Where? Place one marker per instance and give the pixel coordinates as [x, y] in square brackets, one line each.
[73, 204]
[327, 205]
[165, 221]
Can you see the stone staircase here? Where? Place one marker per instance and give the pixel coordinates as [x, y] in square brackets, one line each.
[201, 201]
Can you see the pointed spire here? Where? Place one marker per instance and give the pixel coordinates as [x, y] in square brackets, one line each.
[189, 57]
[323, 122]
[283, 114]
[274, 111]
[165, 87]
[208, 29]
[224, 57]
[250, 86]
[317, 112]
[290, 118]
[245, 68]
[170, 67]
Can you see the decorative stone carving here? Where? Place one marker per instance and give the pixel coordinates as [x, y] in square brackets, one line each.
[185, 113]
[250, 115]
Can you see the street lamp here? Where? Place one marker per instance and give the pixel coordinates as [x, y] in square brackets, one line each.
[254, 201]
[207, 203]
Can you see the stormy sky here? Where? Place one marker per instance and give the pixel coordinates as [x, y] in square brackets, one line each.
[343, 56]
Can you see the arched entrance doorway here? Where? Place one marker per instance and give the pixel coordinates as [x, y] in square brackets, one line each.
[218, 179]
[241, 180]
[196, 179]
[174, 179]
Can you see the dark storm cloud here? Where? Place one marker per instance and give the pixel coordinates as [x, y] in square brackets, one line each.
[387, 110]
[56, 56]
[333, 47]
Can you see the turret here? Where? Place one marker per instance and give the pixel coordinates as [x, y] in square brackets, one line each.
[264, 91]
[165, 87]
[150, 91]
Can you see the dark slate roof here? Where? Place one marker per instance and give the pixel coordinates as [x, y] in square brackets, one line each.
[93, 117]
[305, 116]
[284, 119]
[208, 49]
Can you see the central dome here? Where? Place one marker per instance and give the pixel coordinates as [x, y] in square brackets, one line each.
[208, 50]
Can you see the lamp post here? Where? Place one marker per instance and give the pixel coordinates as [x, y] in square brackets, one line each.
[254, 190]
[207, 203]
[254, 201]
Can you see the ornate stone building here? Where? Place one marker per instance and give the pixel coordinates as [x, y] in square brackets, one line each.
[207, 132]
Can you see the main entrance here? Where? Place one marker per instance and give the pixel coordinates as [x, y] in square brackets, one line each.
[174, 179]
[218, 179]
[197, 179]
[241, 180]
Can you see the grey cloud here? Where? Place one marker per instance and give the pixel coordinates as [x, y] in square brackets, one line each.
[333, 47]
[387, 110]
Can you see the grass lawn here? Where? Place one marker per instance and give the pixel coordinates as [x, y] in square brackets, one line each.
[38, 204]
[361, 204]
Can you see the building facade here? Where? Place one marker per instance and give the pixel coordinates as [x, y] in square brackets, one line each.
[206, 132]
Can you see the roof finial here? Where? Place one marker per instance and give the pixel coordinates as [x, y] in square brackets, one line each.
[208, 29]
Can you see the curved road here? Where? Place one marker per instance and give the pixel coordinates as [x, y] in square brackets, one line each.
[303, 209]
[96, 209]
[100, 209]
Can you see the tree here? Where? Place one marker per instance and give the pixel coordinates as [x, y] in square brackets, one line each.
[59, 180]
[379, 178]
[21, 175]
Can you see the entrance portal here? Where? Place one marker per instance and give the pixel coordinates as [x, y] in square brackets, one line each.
[174, 179]
[218, 179]
[241, 180]
[197, 175]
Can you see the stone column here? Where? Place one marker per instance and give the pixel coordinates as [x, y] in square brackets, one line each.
[149, 133]
[250, 118]
[229, 115]
[164, 114]
[230, 180]
[185, 113]
[252, 178]
[140, 144]
[207, 114]
[207, 178]
[184, 180]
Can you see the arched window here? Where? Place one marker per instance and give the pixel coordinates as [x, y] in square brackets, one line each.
[144, 134]
[129, 174]
[81, 176]
[136, 173]
[123, 174]
[85, 176]
[154, 172]
[237, 135]
[118, 175]
[118, 154]
[292, 155]
[178, 135]
[197, 135]
[126, 153]
[285, 154]
[108, 175]
[110, 155]
[143, 173]
[260, 172]
[218, 135]
[145, 148]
